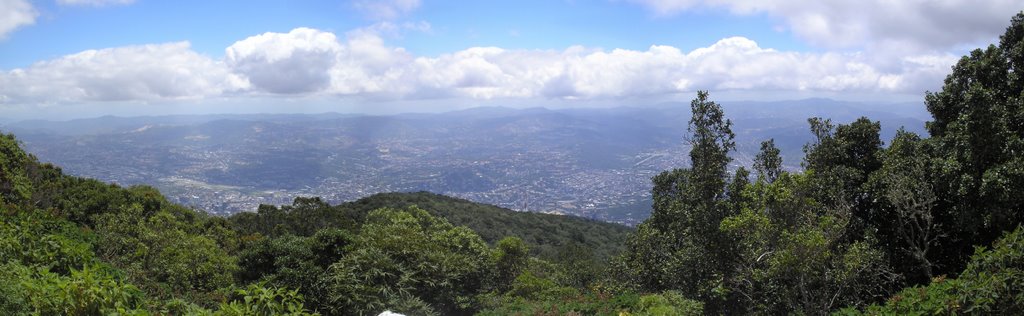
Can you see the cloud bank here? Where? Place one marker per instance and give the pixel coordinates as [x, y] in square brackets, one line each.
[132, 73]
[904, 24]
[307, 62]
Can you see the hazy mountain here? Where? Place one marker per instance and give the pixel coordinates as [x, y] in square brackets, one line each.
[114, 124]
[589, 162]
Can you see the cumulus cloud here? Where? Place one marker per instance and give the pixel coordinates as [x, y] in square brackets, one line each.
[922, 23]
[306, 60]
[385, 9]
[294, 62]
[735, 63]
[309, 62]
[95, 3]
[15, 14]
[147, 72]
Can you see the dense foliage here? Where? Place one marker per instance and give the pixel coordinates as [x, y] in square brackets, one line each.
[547, 235]
[925, 225]
[991, 285]
[862, 220]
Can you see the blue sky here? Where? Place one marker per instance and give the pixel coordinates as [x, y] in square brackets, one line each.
[138, 57]
[213, 25]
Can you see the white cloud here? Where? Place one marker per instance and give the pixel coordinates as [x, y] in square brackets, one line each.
[386, 9]
[148, 72]
[309, 62]
[306, 61]
[295, 62]
[730, 64]
[15, 14]
[923, 24]
[366, 65]
[95, 3]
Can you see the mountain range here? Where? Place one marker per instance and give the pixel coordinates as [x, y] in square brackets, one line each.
[589, 162]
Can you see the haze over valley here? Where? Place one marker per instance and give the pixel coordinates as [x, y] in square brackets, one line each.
[594, 163]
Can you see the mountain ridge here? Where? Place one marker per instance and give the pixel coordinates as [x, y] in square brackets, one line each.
[596, 162]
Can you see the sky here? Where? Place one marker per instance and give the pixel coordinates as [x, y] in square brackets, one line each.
[81, 58]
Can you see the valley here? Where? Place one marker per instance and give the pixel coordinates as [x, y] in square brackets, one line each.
[593, 163]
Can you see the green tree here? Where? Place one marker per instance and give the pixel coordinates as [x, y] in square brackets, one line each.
[15, 186]
[978, 130]
[792, 257]
[841, 158]
[164, 255]
[680, 247]
[403, 253]
[510, 256]
[906, 185]
[991, 284]
[768, 162]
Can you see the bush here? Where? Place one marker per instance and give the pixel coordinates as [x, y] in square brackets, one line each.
[667, 303]
[259, 300]
[91, 291]
[992, 284]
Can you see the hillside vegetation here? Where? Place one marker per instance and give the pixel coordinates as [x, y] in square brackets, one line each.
[547, 235]
[921, 225]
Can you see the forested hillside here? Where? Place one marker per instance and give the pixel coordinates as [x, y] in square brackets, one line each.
[547, 235]
[917, 224]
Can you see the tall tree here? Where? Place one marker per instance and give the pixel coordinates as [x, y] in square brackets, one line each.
[846, 153]
[840, 160]
[907, 187]
[15, 187]
[768, 162]
[711, 141]
[680, 247]
[978, 128]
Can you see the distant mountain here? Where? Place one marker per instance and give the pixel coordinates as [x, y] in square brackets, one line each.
[594, 163]
[114, 124]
